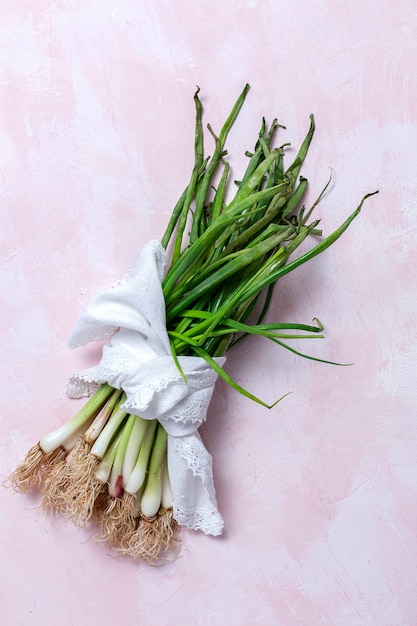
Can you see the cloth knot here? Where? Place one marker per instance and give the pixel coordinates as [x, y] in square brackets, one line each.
[138, 359]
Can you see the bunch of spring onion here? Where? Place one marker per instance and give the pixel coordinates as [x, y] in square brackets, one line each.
[226, 255]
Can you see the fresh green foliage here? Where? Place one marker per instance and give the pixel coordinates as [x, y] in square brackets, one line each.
[238, 249]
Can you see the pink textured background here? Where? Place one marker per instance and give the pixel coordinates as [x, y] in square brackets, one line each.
[96, 133]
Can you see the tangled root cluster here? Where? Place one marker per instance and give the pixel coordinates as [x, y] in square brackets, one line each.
[69, 487]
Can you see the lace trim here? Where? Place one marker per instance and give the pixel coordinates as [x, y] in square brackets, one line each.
[189, 412]
[206, 520]
[190, 450]
[83, 384]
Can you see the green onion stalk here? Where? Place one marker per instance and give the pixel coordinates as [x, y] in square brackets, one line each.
[109, 467]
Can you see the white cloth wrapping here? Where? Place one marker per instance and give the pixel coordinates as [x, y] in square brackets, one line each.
[138, 359]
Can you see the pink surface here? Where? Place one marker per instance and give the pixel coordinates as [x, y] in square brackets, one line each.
[96, 129]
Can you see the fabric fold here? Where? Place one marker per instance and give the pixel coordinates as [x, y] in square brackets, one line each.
[137, 358]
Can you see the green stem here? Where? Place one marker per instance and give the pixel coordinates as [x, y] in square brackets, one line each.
[116, 476]
[104, 439]
[138, 475]
[58, 437]
[151, 497]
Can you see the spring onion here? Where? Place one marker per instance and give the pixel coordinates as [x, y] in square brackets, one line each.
[109, 466]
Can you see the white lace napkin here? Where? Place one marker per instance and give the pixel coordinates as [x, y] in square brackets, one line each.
[137, 358]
